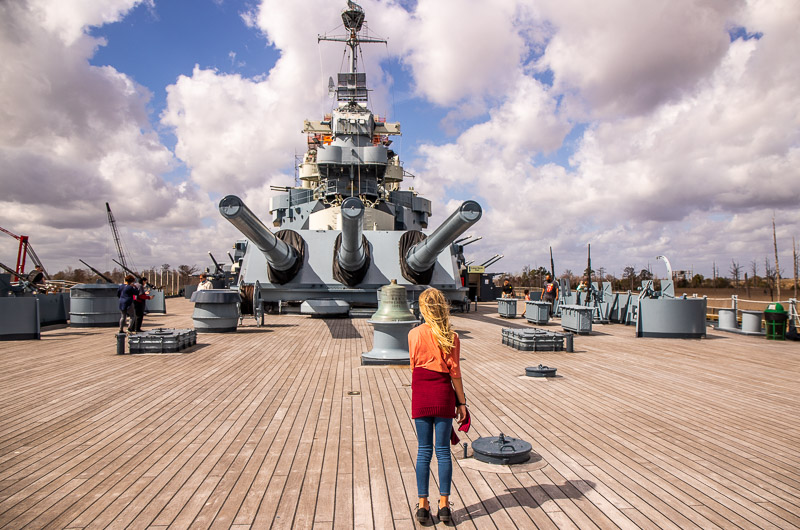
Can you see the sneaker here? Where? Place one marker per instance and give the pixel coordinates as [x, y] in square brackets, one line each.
[444, 514]
[423, 514]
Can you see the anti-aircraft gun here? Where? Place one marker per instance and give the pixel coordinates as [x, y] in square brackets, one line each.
[222, 277]
[25, 285]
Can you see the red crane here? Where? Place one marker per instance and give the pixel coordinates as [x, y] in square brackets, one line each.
[24, 250]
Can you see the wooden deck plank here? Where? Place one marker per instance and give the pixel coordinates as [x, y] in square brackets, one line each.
[257, 429]
[111, 445]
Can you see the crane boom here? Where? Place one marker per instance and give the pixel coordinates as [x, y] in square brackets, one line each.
[114, 232]
[25, 249]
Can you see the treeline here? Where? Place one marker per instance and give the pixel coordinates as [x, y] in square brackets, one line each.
[163, 275]
[755, 276]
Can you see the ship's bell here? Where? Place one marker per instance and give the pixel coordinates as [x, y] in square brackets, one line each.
[391, 322]
[393, 305]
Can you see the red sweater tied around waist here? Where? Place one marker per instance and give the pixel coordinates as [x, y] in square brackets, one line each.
[432, 394]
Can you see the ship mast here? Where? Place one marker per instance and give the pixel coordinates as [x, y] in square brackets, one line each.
[353, 19]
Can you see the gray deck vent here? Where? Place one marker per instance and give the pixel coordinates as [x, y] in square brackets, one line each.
[501, 450]
[540, 371]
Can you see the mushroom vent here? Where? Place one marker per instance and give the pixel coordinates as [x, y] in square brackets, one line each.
[502, 450]
[540, 371]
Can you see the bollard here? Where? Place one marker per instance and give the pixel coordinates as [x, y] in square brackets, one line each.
[121, 343]
[568, 339]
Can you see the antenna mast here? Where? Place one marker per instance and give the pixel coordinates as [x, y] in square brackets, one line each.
[353, 19]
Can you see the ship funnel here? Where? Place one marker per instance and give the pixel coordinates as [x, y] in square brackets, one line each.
[419, 260]
[351, 256]
[283, 258]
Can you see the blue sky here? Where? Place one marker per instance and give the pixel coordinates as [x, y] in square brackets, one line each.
[640, 131]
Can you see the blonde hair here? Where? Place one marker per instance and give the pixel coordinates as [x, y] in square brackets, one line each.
[435, 309]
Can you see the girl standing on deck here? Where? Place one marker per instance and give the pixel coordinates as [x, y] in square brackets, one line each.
[437, 396]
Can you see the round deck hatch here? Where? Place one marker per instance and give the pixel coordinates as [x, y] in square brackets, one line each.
[540, 371]
[503, 450]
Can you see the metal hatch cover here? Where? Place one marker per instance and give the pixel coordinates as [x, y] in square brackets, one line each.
[502, 450]
[540, 371]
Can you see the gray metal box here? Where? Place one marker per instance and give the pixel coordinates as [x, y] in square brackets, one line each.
[162, 340]
[576, 318]
[507, 307]
[537, 312]
[533, 339]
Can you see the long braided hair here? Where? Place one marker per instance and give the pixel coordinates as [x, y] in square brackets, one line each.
[435, 309]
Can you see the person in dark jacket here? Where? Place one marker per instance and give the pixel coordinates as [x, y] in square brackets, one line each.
[140, 301]
[508, 289]
[126, 292]
[36, 276]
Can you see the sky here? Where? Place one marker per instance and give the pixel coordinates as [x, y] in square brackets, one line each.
[642, 128]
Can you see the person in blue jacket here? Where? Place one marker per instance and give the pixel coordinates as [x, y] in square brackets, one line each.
[126, 293]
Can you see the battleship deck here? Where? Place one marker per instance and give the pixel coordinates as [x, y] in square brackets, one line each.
[280, 426]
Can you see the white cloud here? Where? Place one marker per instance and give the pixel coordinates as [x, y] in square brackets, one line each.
[625, 57]
[461, 49]
[76, 135]
[68, 19]
[693, 142]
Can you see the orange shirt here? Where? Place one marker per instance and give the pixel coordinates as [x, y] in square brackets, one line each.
[425, 353]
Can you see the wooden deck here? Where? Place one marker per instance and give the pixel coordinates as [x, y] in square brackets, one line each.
[259, 429]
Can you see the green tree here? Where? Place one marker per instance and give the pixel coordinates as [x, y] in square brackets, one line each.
[187, 270]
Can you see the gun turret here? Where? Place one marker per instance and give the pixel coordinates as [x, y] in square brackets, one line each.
[422, 256]
[283, 258]
[103, 276]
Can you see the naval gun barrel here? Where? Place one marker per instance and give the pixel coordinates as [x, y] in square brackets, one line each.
[129, 271]
[217, 266]
[100, 274]
[422, 256]
[494, 260]
[280, 256]
[351, 253]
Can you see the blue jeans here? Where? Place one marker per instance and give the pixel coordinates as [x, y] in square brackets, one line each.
[425, 435]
